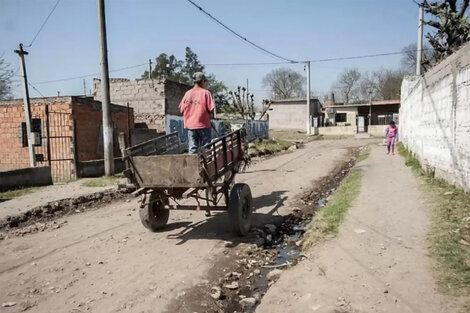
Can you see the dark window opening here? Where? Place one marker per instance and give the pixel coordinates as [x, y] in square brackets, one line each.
[340, 118]
[35, 128]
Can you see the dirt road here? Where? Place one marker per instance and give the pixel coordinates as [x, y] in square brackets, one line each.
[378, 263]
[105, 261]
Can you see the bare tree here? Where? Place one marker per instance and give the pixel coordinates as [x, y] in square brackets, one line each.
[285, 83]
[408, 61]
[243, 102]
[6, 73]
[389, 84]
[451, 24]
[348, 85]
[381, 85]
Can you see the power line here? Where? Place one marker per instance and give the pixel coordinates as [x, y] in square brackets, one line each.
[36, 89]
[237, 64]
[88, 75]
[356, 57]
[44, 23]
[248, 64]
[240, 36]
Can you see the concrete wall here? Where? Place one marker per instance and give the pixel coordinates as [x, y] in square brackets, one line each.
[254, 129]
[337, 130]
[139, 135]
[435, 118]
[150, 98]
[351, 113]
[95, 168]
[288, 117]
[26, 177]
[377, 130]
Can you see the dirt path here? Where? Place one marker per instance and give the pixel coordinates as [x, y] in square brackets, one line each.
[44, 195]
[105, 261]
[378, 262]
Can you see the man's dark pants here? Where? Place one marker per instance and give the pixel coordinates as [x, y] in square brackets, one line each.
[198, 138]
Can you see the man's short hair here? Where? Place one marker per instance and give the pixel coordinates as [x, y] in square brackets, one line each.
[199, 77]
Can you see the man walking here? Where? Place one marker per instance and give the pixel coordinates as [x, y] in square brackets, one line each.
[196, 106]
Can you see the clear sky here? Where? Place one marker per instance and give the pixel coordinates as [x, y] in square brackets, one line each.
[141, 29]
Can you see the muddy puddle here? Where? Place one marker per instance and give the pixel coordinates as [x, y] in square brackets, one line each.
[241, 277]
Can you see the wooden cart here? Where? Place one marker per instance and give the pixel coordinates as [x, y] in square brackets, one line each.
[165, 179]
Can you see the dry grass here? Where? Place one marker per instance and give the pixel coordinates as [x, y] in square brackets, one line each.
[291, 135]
[269, 147]
[103, 181]
[449, 237]
[10, 194]
[364, 154]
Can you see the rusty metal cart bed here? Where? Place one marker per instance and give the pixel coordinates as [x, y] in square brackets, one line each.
[165, 179]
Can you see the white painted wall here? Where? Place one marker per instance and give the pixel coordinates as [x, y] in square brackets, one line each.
[337, 131]
[435, 118]
[377, 130]
[288, 117]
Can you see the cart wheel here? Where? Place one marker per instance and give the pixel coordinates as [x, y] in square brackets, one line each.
[240, 209]
[154, 216]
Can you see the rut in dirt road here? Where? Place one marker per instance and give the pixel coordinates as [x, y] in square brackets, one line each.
[105, 261]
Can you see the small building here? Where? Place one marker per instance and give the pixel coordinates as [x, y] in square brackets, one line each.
[350, 119]
[151, 99]
[291, 114]
[67, 131]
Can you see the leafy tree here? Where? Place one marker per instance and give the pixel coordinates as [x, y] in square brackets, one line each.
[169, 67]
[451, 25]
[285, 83]
[348, 85]
[191, 65]
[5, 79]
[166, 67]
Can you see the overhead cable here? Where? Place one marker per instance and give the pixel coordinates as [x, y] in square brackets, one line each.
[240, 36]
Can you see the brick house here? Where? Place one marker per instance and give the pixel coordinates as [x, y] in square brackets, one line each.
[151, 99]
[68, 131]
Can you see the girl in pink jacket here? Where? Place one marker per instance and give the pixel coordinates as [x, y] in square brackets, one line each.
[391, 133]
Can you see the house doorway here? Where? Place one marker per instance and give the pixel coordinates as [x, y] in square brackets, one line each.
[361, 124]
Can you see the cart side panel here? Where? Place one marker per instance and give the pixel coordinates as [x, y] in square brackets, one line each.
[168, 171]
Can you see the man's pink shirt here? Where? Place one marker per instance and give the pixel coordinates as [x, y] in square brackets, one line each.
[196, 106]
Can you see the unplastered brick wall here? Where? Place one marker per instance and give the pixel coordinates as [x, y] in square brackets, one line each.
[13, 154]
[88, 127]
[435, 118]
[151, 99]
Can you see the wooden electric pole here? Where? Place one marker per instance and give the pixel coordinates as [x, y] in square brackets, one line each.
[105, 98]
[150, 68]
[27, 109]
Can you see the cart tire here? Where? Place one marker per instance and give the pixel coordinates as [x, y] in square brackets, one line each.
[240, 209]
[154, 216]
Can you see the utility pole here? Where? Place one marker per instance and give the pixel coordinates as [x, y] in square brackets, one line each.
[309, 119]
[247, 86]
[105, 99]
[419, 51]
[84, 88]
[150, 68]
[27, 109]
